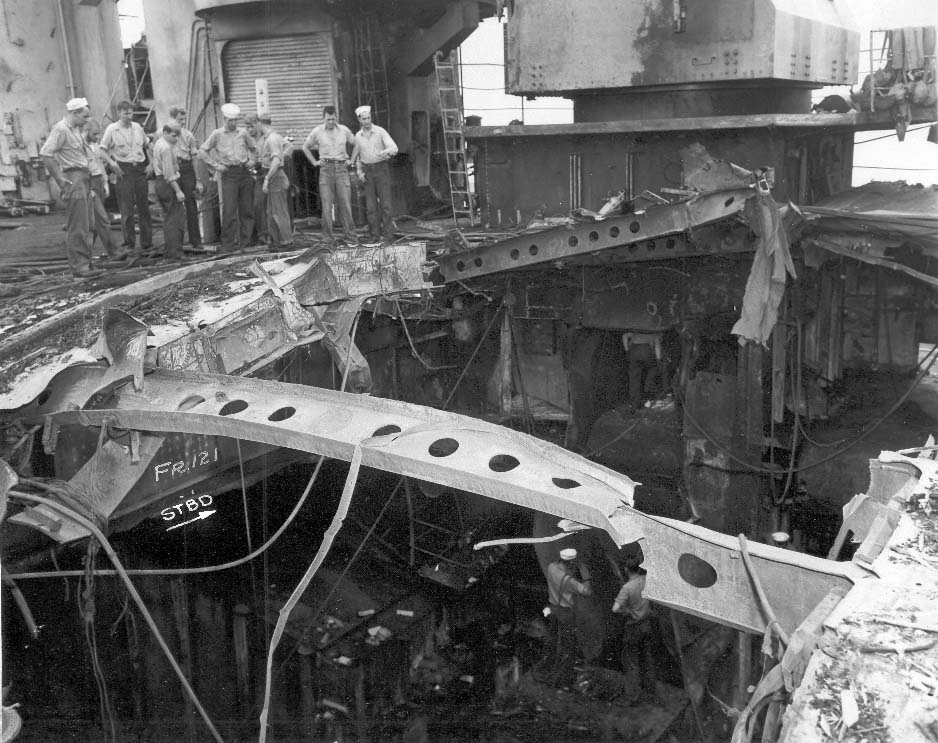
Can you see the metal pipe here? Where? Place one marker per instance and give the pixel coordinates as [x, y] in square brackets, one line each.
[68, 57]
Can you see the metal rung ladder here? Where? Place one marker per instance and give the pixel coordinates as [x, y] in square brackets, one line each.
[454, 140]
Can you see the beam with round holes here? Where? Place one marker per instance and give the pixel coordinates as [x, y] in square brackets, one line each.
[701, 572]
[587, 237]
[429, 444]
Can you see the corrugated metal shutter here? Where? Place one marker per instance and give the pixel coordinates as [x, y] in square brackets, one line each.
[299, 74]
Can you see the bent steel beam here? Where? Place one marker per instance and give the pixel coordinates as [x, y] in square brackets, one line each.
[690, 568]
[702, 572]
[588, 237]
[446, 448]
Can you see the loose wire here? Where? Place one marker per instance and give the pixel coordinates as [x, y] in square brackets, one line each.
[131, 589]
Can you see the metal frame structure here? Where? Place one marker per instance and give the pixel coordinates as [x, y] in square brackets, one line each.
[588, 237]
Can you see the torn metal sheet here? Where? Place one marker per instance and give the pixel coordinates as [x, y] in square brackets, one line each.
[363, 270]
[563, 242]
[246, 327]
[104, 481]
[428, 444]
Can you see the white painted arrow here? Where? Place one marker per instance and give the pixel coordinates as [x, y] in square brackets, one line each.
[202, 515]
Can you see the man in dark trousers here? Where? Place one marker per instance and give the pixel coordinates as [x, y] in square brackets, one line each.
[563, 590]
[127, 145]
[67, 157]
[231, 153]
[187, 150]
[169, 192]
[638, 638]
[373, 148]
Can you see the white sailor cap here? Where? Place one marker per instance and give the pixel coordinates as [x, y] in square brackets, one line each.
[568, 554]
[76, 104]
[362, 110]
[230, 110]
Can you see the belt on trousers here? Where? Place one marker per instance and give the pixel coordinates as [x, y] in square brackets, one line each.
[125, 164]
[76, 170]
[332, 160]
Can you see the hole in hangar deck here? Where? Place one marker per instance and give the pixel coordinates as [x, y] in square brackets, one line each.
[477, 262]
[573, 241]
[43, 397]
[514, 253]
[235, 406]
[729, 201]
[634, 227]
[190, 402]
[281, 414]
[443, 447]
[695, 571]
[503, 463]
[564, 483]
[460, 266]
[533, 250]
[594, 236]
[613, 232]
[387, 430]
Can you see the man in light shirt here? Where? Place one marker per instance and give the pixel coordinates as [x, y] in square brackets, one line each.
[230, 151]
[563, 592]
[187, 150]
[126, 143]
[67, 157]
[169, 192]
[332, 141]
[373, 148]
[275, 184]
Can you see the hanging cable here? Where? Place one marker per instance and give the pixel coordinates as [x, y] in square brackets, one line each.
[475, 352]
[348, 353]
[188, 571]
[413, 349]
[516, 357]
[131, 589]
[293, 600]
[351, 561]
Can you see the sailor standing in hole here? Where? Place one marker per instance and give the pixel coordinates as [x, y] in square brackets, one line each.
[563, 590]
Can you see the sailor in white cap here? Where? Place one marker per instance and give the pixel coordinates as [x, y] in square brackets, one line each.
[373, 148]
[563, 590]
[230, 151]
[67, 157]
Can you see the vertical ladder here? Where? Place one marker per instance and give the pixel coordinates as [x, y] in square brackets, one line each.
[454, 140]
[371, 69]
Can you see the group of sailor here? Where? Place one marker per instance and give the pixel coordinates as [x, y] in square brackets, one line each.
[247, 171]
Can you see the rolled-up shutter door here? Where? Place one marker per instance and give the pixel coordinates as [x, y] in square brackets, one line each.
[299, 74]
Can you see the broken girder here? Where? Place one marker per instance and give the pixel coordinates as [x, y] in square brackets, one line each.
[690, 568]
[428, 444]
[587, 237]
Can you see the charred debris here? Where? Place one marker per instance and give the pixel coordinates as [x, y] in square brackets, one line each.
[262, 486]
